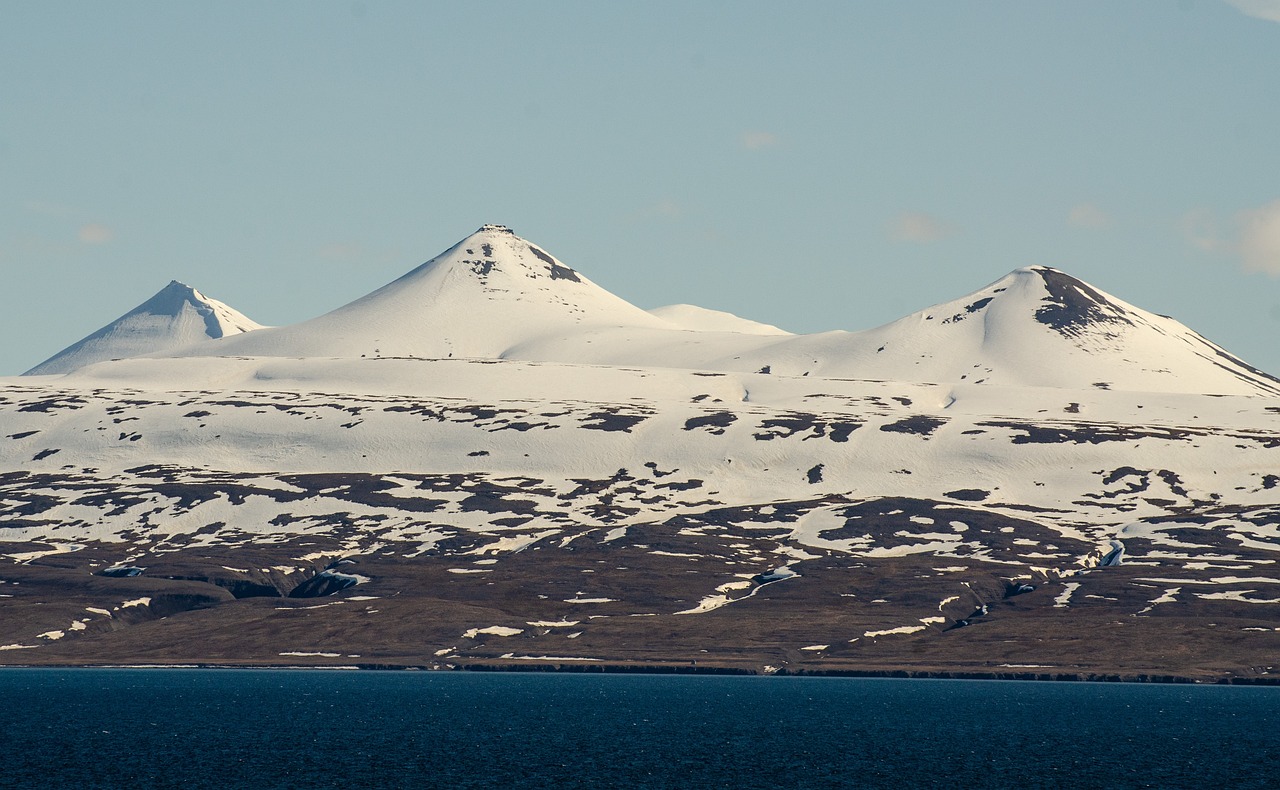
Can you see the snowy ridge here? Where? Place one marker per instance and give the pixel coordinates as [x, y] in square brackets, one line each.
[176, 317]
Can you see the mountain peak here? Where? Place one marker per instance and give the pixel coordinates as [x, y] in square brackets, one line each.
[1041, 326]
[485, 254]
[176, 316]
[1071, 306]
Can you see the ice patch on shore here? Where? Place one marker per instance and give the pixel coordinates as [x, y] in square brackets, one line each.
[512, 657]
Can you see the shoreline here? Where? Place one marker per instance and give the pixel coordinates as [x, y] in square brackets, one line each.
[672, 669]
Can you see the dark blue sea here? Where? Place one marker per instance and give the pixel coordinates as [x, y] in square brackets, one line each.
[91, 728]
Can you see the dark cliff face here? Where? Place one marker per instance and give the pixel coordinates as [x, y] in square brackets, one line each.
[556, 271]
[1073, 307]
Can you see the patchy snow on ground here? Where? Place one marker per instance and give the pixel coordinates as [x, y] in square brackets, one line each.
[1236, 595]
[1064, 597]
[708, 604]
[904, 629]
[494, 630]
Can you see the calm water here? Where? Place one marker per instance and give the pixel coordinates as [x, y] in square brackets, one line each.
[311, 729]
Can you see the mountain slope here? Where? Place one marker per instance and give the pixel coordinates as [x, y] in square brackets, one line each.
[177, 316]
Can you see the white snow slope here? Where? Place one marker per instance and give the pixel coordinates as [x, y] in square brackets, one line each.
[177, 316]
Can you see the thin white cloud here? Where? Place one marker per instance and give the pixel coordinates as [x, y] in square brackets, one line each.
[1259, 245]
[1088, 215]
[663, 209]
[95, 233]
[1255, 239]
[1200, 228]
[47, 208]
[348, 253]
[1258, 9]
[755, 140]
[341, 251]
[920, 228]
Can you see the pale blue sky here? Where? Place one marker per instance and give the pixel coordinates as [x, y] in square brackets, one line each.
[822, 166]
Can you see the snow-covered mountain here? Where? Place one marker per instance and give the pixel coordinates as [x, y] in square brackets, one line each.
[493, 461]
[497, 296]
[177, 316]
[488, 292]
[1036, 327]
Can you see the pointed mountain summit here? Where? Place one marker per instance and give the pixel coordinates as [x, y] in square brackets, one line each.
[488, 292]
[1036, 326]
[177, 316]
